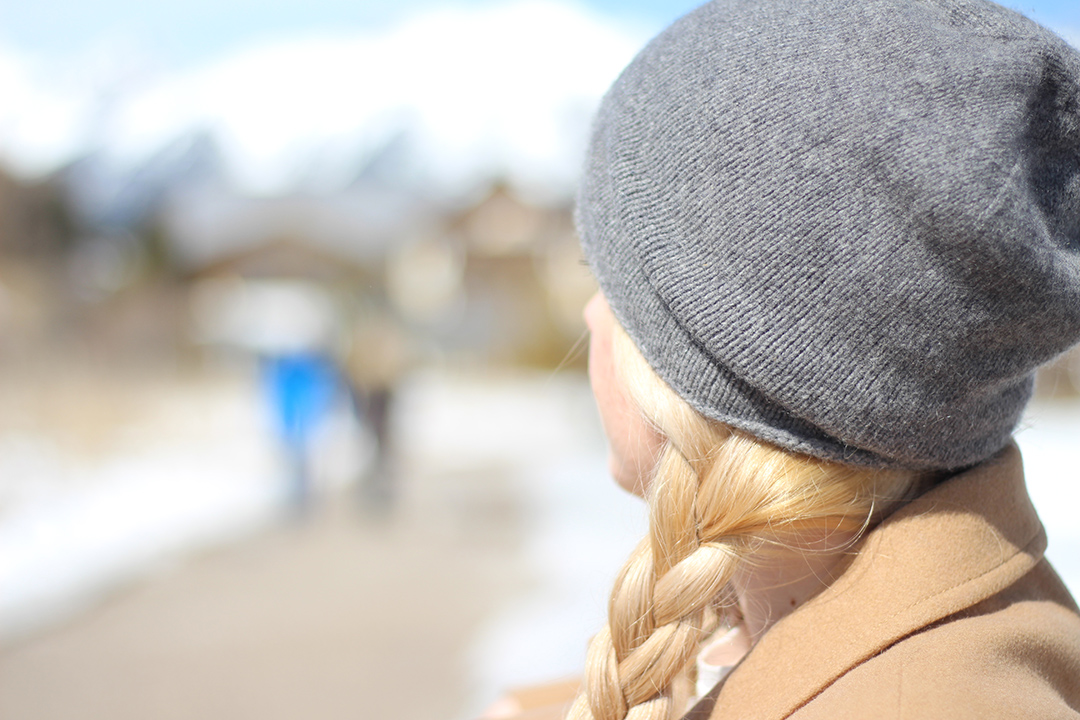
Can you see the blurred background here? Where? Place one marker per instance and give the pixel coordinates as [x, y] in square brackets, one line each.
[293, 416]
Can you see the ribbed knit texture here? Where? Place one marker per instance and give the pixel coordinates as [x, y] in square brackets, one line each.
[849, 227]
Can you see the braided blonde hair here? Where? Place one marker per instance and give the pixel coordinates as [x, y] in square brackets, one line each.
[717, 496]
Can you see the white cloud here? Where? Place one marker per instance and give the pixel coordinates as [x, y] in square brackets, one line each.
[42, 118]
[507, 90]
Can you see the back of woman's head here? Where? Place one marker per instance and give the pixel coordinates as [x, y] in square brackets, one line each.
[840, 236]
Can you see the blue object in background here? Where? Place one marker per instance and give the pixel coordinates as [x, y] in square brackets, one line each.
[301, 390]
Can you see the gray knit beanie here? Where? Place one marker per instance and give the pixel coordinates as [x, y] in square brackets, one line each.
[848, 227]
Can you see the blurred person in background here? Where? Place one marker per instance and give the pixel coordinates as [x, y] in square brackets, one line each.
[292, 327]
[328, 377]
[379, 354]
[834, 241]
[301, 389]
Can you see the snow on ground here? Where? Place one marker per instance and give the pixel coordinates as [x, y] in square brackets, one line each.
[1050, 441]
[93, 525]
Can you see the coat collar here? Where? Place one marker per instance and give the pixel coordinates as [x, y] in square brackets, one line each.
[951, 548]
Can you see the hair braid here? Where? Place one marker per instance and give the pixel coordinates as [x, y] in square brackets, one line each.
[716, 496]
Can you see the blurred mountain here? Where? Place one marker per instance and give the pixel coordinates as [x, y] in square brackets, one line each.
[107, 197]
[438, 107]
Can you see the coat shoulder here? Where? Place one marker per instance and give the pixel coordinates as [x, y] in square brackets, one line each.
[1015, 655]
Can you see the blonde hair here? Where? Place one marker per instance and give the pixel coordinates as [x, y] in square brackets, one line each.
[717, 496]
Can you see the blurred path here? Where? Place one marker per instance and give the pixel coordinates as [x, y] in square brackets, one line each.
[329, 619]
[1049, 438]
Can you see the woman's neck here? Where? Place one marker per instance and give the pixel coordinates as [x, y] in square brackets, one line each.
[777, 580]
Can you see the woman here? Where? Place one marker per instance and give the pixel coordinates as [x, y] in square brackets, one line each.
[834, 240]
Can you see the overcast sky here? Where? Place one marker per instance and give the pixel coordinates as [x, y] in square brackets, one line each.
[183, 32]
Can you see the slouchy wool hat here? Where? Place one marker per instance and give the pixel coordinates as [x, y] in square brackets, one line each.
[848, 227]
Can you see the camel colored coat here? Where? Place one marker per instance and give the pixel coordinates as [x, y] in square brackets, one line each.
[948, 610]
